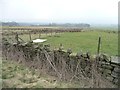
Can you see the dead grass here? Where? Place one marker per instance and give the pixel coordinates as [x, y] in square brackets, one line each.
[15, 75]
[19, 76]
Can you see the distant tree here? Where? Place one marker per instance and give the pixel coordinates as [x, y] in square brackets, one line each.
[10, 24]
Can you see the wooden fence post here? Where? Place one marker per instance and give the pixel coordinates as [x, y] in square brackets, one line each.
[99, 42]
[16, 37]
[30, 35]
[39, 34]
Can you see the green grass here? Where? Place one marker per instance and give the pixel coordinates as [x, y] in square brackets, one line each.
[85, 41]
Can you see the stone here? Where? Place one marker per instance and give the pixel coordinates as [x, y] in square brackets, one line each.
[115, 60]
[79, 55]
[14, 44]
[36, 46]
[104, 57]
[88, 55]
[114, 65]
[104, 75]
[107, 67]
[114, 74]
[69, 51]
[107, 63]
[30, 41]
[115, 81]
[116, 69]
[84, 55]
[101, 69]
[103, 62]
[106, 71]
[110, 78]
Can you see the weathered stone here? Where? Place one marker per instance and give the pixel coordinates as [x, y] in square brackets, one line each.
[72, 57]
[104, 75]
[107, 71]
[88, 55]
[104, 57]
[115, 60]
[84, 55]
[105, 63]
[107, 67]
[110, 78]
[69, 51]
[101, 69]
[116, 69]
[114, 74]
[115, 81]
[102, 62]
[114, 65]
[24, 44]
[29, 44]
[79, 55]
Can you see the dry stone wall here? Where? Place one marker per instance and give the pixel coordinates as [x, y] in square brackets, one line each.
[61, 63]
[109, 67]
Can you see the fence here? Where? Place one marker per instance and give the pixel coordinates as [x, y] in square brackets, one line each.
[21, 31]
[64, 65]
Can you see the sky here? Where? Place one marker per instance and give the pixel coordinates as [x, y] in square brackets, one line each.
[60, 11]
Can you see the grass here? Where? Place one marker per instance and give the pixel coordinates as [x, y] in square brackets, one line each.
[15, 75]
[0, 72]
[85, 41]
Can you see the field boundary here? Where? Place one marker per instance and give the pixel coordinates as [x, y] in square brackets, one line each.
[63, 64]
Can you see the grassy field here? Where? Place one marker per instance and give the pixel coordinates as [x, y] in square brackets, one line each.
[85, 41]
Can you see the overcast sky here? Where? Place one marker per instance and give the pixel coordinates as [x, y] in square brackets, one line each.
[60, 11]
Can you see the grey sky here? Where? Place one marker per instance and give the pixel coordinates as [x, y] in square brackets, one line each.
[74, 11]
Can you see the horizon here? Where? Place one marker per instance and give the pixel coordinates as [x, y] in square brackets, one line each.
[40, 23]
